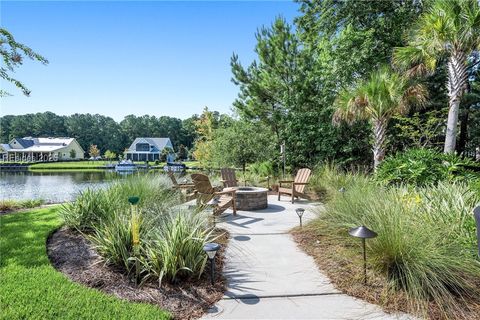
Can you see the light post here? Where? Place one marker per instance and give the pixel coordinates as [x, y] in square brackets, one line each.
[363, 233]
[211, 249]
[135, 221]
[300, 212]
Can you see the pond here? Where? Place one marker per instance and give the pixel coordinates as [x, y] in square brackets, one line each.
[52, 186]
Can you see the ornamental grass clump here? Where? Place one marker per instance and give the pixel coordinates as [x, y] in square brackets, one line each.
[155, 239]
[175, 250]
[95, 204]
[426, 244]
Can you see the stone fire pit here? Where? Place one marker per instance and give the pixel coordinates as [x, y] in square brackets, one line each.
[251, 198]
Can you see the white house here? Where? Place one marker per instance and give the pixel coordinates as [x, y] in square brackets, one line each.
[147, 149]
[42, 149]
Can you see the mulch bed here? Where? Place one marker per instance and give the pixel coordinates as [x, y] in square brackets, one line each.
[73, 255]
[344, 267]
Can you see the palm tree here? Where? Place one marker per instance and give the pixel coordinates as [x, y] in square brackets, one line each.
[377, 99]
[449, 29]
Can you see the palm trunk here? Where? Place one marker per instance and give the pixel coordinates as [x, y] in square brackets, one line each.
[463, 136]
[379, 135]
[457, 80]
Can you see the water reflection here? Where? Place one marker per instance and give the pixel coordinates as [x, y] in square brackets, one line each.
[52, 186]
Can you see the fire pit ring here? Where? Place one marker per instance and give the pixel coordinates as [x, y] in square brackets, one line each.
[251, 198]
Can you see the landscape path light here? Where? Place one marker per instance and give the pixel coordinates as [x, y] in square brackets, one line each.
[135, 227]
[211, 249]
[300, 212]
[363, 233]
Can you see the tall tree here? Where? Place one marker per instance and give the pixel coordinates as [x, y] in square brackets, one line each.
[235, 145]
[449, 29]
[377, 99]
[205, 127]
[13, 54]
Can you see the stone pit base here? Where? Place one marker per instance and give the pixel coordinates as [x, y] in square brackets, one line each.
[251, 198]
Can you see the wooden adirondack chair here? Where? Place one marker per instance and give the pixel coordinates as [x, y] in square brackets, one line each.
[297, 186]
[222, 200]
[229, 178]
[188, 189]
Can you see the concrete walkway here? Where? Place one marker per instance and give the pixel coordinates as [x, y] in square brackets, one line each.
[269, 277]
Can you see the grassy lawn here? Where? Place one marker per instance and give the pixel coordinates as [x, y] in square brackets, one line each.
[88, 165]
[32, 289]
[69, 165]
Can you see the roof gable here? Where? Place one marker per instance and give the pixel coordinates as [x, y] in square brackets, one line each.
[157, 143]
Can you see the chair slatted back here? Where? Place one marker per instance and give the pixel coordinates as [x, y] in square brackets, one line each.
[202, 183]
[302, 176]
[229, 178]
[172, 177]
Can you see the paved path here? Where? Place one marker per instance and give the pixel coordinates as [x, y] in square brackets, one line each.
[269, 277]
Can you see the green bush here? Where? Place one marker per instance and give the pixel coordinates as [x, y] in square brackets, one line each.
[422, 167]
[10, 205]
[426, 244]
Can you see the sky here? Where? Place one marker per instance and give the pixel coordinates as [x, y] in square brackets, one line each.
[119, 58]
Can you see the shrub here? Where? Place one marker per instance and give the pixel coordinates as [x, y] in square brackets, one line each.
[10, 205]
[426, 244]
[423, 167]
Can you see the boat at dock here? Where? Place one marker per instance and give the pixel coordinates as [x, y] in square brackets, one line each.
[125, 166]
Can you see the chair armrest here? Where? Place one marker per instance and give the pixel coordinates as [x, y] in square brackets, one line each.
[232, 191]
[284, 181]
[300, 183]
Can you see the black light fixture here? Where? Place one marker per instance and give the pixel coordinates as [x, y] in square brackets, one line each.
[211, 249]
[363, 233]
[133, 200]
[300, 212]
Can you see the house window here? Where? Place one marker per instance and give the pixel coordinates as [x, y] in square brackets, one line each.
[142, 147]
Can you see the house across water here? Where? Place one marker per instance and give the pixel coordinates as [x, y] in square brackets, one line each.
[148, 149]
[30, 149]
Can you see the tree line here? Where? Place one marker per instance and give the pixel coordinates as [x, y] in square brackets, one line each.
[345, 79]
[101, 131]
